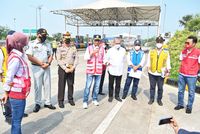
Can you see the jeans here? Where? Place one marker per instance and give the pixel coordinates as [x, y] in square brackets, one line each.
[117, 80]
[18, 107]
[89, 80]
[128, 83]
[191, 82]
[153, 81]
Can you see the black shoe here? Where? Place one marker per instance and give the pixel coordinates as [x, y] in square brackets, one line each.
[133, 97]
[188, 111]
[101, 93]
[151, 101]
[50, 106]
[25, 115]
[118, 99]
[8, 120]
[178, 107]
[124, 97]
[71, 102]
[110, 99]
[160, 102]
[61, 104]
[36, 108]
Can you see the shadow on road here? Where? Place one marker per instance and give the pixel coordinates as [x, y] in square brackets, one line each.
[43, 125]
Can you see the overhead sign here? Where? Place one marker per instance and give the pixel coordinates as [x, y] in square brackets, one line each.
[29, 31]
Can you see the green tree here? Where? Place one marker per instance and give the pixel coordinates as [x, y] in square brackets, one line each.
[194, 24]
[185, 19]
[3, 32]
[57, 36]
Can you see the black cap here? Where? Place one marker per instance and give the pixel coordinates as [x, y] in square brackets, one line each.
[137, 42]
[160, 39]
[10, 32]
[42, 31]
[97, 37]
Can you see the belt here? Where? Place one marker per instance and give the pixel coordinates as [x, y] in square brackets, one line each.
[35, 64]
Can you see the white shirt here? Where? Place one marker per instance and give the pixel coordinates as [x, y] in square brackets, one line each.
[168, 66]
[115, 59]
[39, 50]
[1, 60]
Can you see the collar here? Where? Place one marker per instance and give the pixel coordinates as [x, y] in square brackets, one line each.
[17, 52]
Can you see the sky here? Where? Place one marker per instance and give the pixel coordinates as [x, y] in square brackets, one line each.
[21, 14]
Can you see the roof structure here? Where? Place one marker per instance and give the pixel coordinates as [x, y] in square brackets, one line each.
[112, 13]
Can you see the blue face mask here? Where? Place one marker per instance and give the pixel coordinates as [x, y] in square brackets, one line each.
[42, 39]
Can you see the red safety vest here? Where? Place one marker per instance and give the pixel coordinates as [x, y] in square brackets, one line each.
[190, 65]
[20, 82]
[95, 64]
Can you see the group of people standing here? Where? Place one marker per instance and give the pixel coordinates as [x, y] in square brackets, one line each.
[99, 58]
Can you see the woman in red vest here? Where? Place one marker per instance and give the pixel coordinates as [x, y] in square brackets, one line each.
[190, 59]
[17, 82]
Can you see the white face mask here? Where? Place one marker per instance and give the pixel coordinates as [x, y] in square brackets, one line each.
[137, 48]
[117, 46]
[159, 45]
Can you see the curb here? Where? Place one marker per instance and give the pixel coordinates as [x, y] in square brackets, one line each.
[174, 83]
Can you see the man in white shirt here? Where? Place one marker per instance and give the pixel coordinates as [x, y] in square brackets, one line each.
[114, 60]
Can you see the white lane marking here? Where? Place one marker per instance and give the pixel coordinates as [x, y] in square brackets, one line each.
[145, 75]
[106, 122]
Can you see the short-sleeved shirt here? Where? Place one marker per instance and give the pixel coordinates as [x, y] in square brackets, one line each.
[67, 56]
[39, 50]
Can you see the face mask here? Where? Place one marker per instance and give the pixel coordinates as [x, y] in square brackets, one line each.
[137, 48]
[117, 46]
[43, 38]
[159, 45]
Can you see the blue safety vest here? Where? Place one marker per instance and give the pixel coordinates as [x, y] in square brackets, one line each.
[136, 58]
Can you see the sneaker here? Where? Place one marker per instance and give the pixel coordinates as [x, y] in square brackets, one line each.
[151, 101]
[178, 107]
[85, 106]
[50, 106]
[36, 108]
[160, 103]
[188, 111]
[95, 102]
[110, 99]
[133, 97]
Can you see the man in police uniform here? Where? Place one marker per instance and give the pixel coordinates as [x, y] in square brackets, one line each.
[158, 65]
[67, 58]
[40, 55]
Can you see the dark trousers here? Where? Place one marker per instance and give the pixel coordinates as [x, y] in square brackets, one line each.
[7, 107]
[153, 81]
[117, 80]
[128, 83]
[62, 78]
[102, 81]
[54, 52]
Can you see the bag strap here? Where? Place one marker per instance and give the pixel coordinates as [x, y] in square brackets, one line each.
[14, 55]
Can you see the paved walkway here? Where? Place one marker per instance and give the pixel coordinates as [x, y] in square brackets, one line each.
[127, 117]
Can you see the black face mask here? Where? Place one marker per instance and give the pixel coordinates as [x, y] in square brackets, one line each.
[67, 41]
[43, 38]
